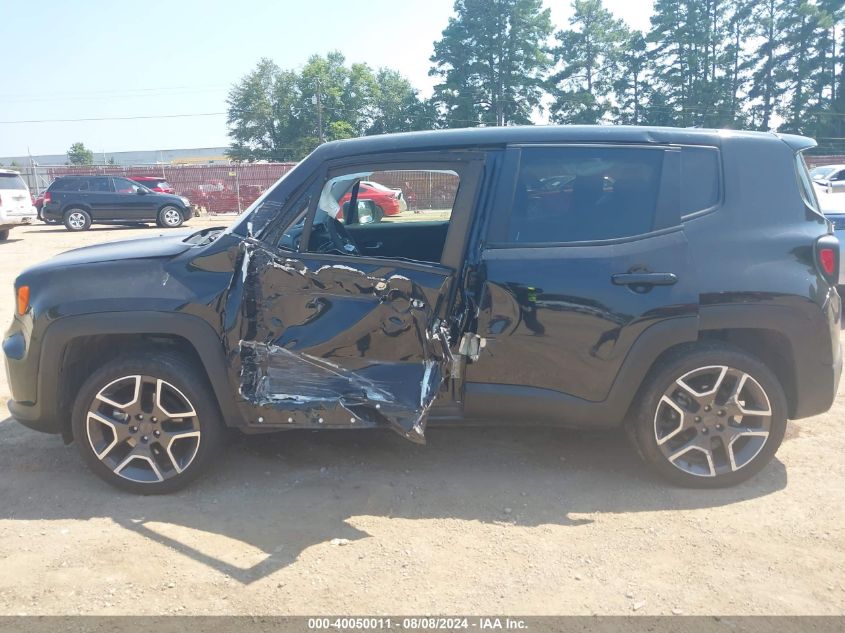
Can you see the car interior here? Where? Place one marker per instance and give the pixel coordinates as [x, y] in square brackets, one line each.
[356, 227]
[575, 197]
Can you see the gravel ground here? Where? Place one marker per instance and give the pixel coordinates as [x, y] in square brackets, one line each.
[479, 521]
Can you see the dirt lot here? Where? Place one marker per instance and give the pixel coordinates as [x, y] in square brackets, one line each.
[527, 521]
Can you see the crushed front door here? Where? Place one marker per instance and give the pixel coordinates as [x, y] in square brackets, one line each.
[333, 341]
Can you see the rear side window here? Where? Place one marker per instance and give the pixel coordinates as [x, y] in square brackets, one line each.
[805, 183]
[11, 181]
[70, 184]
[579, 194]
[700, 189]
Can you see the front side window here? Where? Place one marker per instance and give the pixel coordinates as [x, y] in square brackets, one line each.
[385, 213]
[124, 185]
[578, 194]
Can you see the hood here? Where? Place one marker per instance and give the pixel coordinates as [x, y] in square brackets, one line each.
[168, 245]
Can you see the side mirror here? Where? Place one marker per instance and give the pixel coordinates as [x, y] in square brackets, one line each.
[141, 192]
[366, 212]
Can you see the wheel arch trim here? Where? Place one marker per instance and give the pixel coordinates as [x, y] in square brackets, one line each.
[197, 332]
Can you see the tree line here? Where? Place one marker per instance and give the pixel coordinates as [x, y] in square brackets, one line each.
[749, 64]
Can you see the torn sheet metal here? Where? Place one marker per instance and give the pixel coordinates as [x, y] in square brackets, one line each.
[326, 344]
[313, 392]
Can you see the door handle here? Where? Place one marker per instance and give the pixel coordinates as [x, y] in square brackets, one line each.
[644, 279]
[373, 245]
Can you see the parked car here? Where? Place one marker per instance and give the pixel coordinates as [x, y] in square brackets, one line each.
[831, 178]
[16, 207]
[154, 183]
[679, 283]
[80, 201]
[386, 201]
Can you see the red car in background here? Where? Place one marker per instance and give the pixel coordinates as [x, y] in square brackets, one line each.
[388, 201]
[155, 183]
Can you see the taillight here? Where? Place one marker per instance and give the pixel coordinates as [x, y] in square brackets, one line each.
[23, 299]
[47, 198]
[827, 258]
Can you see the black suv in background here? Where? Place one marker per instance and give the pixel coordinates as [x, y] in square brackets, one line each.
[680, 283]
[80, 201]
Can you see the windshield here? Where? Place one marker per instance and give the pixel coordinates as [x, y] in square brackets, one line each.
[257, 215]
[12, 181]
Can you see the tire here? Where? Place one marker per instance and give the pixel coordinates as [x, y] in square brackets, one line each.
[4, 235]
[169, 450]
[378, 214]
[76, 219]
[170, 217]
[678, 417]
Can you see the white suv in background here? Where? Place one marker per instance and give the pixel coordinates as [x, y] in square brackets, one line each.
[15, 202]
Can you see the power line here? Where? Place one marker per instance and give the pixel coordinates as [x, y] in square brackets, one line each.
[116, 118]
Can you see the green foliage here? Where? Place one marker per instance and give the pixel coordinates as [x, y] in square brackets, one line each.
[764, 64]
[281, 115]
[491, 61]
[78, 154]
[591, 56]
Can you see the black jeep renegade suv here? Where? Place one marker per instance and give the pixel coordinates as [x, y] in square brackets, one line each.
[679, 283]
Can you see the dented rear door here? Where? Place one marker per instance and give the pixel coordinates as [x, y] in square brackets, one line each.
[329, 341]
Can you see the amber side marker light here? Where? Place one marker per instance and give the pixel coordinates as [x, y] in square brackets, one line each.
[23, 299]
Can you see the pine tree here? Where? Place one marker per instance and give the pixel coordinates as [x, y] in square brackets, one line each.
[491, 61]
[631, 88]
[590, 56]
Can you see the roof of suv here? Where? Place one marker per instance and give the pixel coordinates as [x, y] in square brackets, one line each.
[468, 137]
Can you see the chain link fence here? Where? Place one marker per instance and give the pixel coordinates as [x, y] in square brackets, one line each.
[232, 188]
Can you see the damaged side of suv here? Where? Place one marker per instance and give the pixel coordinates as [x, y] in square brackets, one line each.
[592, 277]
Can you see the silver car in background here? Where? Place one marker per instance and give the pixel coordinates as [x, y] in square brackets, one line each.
[16, 206]
[831, 178]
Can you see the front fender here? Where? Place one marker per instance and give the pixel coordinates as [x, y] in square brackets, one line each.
[59, 334]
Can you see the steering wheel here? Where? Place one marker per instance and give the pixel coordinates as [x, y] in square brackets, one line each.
[340, 237]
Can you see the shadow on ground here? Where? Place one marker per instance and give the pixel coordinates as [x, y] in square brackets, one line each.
[284, 493]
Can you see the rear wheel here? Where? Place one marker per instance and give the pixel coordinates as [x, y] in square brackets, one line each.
[710, 417]
[77, 220]
[378, 214]
[147, 423]
[4, 235]
[170, 217]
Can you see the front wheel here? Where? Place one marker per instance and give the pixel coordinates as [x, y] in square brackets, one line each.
[170, 217]
[147, 423]
[709, 417]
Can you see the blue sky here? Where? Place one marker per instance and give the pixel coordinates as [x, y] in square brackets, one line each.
[78, 59]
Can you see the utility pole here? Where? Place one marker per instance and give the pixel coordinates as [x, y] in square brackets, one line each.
[317, 100]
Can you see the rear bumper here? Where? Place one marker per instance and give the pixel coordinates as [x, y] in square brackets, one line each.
[10, 220]
[817, 382]
[817, 390]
